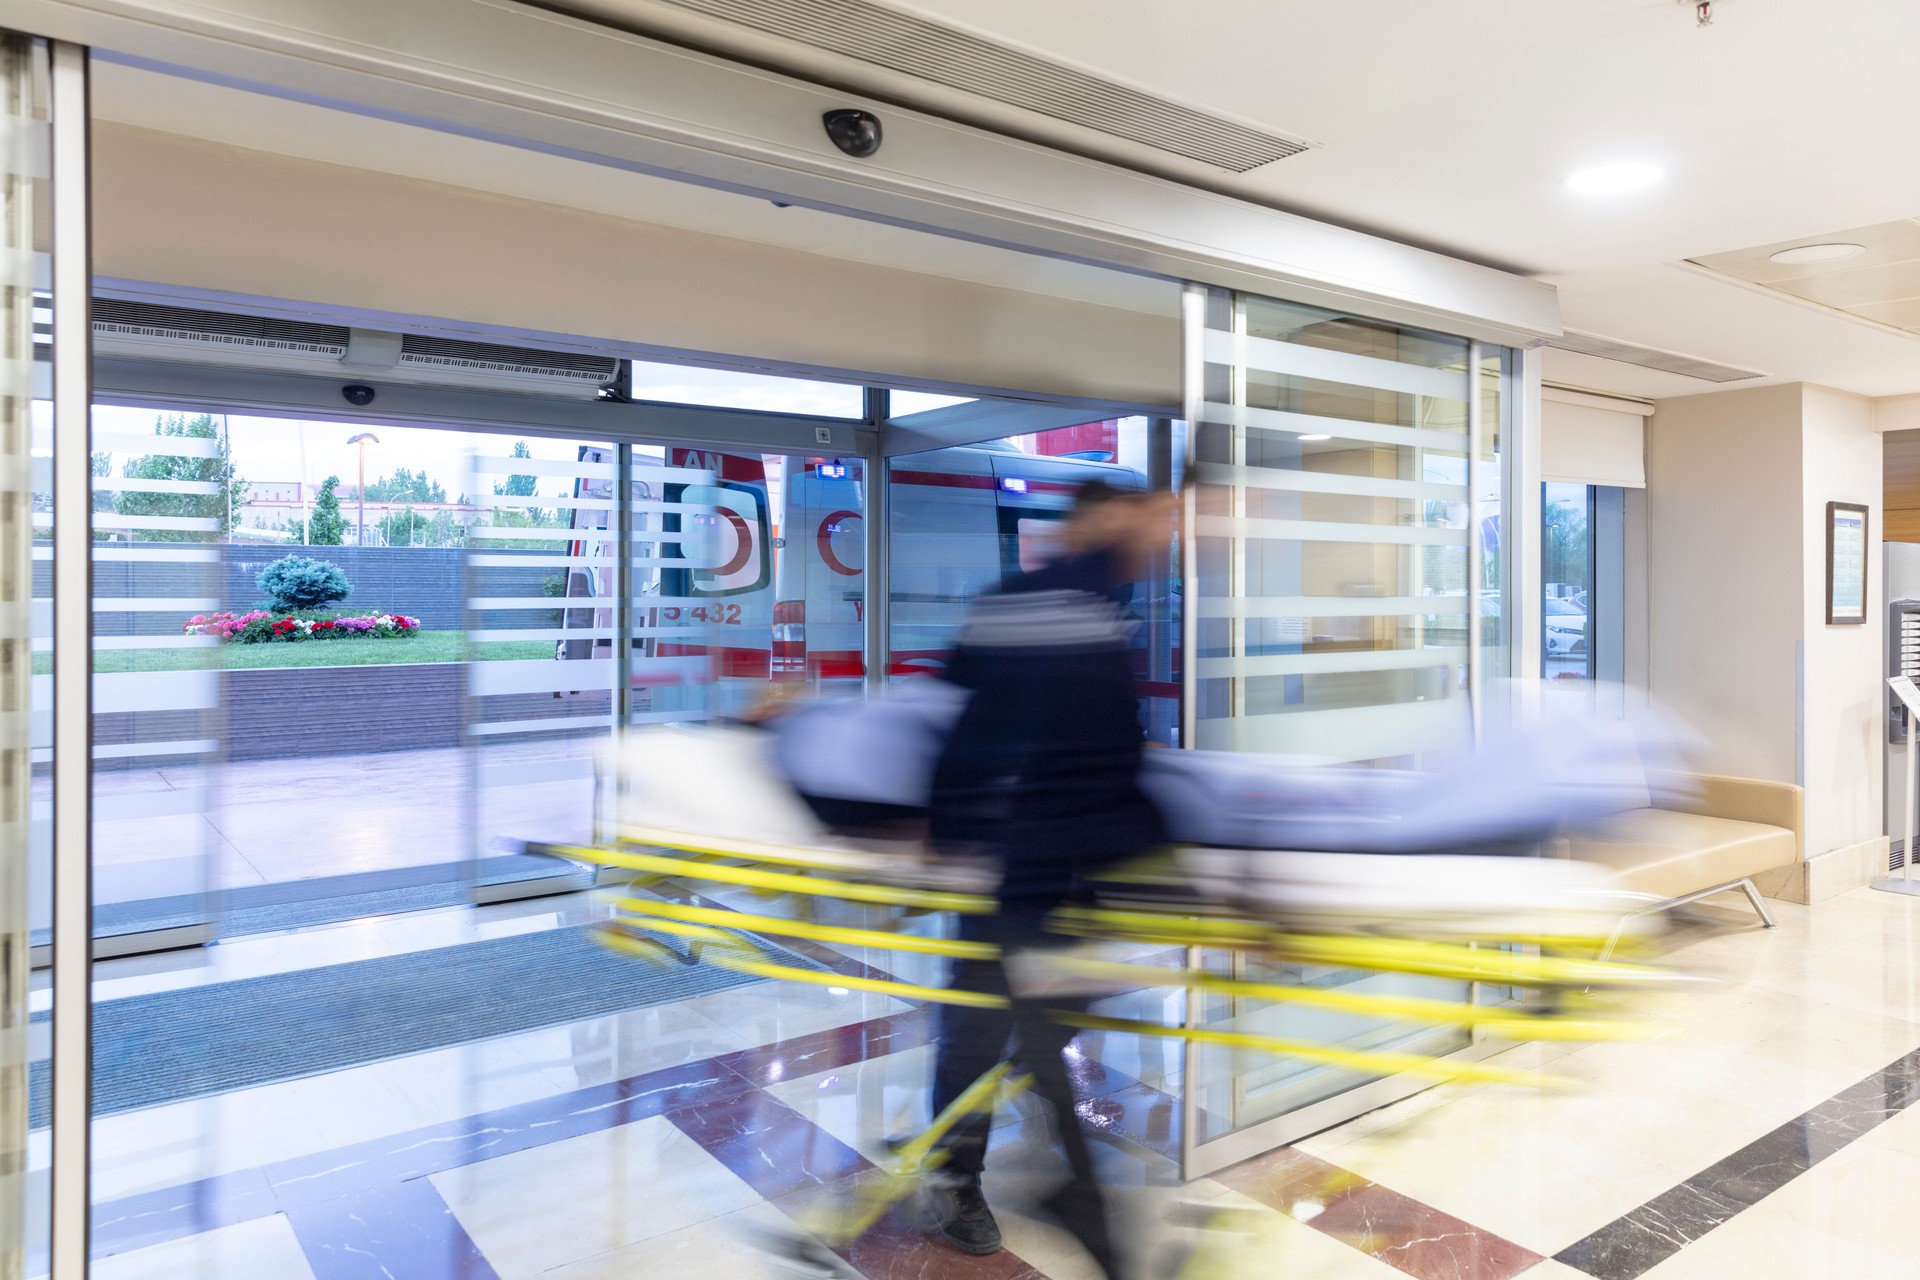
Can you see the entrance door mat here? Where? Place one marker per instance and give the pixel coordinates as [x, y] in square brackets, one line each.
[173, 1045]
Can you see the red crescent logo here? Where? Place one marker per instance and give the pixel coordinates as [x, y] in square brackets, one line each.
[742, 545]
[824, 540]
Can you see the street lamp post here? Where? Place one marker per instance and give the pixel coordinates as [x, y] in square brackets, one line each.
[364, 439]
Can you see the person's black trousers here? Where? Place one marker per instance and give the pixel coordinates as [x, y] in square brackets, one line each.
[973, 1041]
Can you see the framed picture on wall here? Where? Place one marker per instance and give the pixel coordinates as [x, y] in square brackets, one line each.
[1846, 564]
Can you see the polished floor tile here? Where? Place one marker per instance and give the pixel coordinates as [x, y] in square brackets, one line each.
[732, 1245]
[565, 1202]
[257, 1250]
[183, 1142]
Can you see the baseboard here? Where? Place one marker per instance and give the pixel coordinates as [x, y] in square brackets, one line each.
[1826, 875]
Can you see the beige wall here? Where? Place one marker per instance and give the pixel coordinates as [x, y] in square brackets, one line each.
[179, 211]
[1737, 488]
[1725, 603]
[1844, 685]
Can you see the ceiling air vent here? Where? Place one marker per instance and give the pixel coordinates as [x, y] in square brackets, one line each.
[151, 327]
[486, 361]
[188, 335]
[914, 46]
[1588, 344]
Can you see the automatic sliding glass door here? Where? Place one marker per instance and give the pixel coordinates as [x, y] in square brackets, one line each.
[1348, 590]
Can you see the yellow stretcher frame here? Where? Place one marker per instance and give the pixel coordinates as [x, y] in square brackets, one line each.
[720, 936]
[717, 935]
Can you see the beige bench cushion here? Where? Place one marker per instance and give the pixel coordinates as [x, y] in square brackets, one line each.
[1669, 855]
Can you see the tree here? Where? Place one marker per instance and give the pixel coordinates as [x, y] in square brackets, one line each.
[518, 486]
[407, 486]
[327, 529]
[296, 582]
[406, 527]
[221, 506]
[1565, 552]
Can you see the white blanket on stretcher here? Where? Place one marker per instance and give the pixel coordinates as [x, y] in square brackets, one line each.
[1568, 771]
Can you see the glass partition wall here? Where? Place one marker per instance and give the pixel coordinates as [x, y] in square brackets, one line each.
[25, 626]
[1347, 605]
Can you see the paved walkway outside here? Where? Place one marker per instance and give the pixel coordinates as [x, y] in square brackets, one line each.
[271, 821]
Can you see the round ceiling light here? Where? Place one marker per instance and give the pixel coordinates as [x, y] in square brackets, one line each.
[1801, 255]
[1615, 179]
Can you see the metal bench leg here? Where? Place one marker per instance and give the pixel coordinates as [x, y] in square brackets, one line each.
[1759, 903]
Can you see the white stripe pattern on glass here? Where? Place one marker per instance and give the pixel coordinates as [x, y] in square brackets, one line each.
[1266, 355]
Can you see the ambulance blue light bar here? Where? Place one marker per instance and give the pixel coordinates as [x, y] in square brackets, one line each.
[1014, 484]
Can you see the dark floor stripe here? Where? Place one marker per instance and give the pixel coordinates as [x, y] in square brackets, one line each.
[1636, 1242]
[400, 1232]
[784, 1156]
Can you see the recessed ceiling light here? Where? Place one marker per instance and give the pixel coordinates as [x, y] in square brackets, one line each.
[1615, 179]
[1800, 255]
[1316, 437]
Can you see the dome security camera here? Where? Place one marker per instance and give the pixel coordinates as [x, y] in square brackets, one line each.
[358, 394]
[855, 132]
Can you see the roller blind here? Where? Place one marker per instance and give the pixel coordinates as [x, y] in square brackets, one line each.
[1584, 442]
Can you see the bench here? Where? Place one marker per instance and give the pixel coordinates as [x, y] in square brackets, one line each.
[1699, 835]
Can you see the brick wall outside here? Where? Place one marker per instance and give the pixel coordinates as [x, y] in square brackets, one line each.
[297, 712]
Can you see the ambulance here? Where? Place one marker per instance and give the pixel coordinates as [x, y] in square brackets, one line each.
[750, 568]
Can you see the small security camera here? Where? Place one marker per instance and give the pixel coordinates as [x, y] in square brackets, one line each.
[358, 394]
[855, 132]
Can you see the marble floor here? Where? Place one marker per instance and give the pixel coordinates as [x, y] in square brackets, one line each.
[1767, 1132]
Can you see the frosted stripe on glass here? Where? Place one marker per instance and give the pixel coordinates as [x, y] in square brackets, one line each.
[539, 675]
[521, 773]
[1341, 734]
[156, 446]
[148, 804]
[1346, 660]
[1450, 443]
[1266, 355]
[148, 555]
[1289, 480]
[156, 691]
[490, 465]
[509, 634]
[124, 484]
[549, 725]
[176, 524]
[1326, 531]
[1331, 606]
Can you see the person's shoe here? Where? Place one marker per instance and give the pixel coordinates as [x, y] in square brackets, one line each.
[966, 1221]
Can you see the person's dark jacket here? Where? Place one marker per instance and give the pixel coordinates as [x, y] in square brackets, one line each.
[1042, 768]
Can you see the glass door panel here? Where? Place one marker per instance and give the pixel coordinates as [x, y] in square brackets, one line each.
[1347, 587]
[161, 511]
[541, 600]
[26, 630]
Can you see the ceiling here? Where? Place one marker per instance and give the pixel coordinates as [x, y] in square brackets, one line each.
[1879, 283]
[1453, 126]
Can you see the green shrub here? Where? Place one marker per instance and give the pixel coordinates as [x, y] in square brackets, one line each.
[296, 582]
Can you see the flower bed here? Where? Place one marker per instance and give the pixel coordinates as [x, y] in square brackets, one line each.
[262, 627]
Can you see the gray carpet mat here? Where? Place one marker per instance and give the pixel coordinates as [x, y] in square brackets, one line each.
[174, 1045]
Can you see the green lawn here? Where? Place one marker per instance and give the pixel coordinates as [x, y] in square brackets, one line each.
[427, 646]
